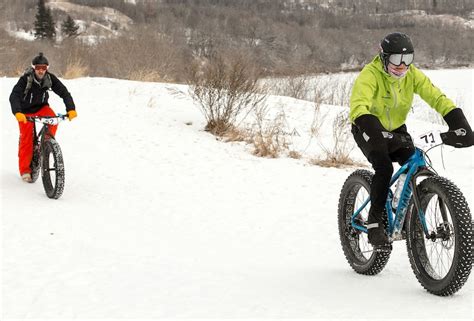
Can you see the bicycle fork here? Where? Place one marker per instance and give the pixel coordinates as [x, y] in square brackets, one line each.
[417, 204]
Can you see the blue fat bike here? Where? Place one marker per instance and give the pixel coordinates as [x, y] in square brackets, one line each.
[47, 156]
[431, 214]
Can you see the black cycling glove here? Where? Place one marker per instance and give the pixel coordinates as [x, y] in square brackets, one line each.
[460, 133]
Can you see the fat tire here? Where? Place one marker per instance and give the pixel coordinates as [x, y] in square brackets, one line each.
[460, 214]
[54, 189]
[350, 243]
[35, 163]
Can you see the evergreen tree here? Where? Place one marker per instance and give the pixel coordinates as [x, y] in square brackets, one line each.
[44, 24]
[50, 25]
[69, 27]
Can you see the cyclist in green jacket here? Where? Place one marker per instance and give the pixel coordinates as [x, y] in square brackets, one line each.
[381, 98]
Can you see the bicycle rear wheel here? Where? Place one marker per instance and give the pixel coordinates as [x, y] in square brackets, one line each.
[52, 169]
[441, 262]
[358, 251]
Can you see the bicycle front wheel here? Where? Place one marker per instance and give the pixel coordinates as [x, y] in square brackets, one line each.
[442, 261]
[52, 169]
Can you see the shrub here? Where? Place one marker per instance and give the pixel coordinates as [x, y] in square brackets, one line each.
[339, 154]
[294, 154]
[268, 137]
[225, 91]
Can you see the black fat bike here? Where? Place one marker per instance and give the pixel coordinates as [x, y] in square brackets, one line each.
[47, 156]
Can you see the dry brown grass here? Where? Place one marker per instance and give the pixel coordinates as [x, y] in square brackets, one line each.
[234, 134]
[338, 153]
[267, 145]
[318, 119]
[294, 154]
[146, 75]
[75, 69]
[268, 137]
[336, 162]
[18, 71]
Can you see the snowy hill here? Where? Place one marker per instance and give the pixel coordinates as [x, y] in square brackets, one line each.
[160, 219]
[95, 23]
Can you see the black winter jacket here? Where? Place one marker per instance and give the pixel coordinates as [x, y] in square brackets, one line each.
[37, 96]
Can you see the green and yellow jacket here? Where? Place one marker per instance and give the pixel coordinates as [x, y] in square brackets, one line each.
[389, 99]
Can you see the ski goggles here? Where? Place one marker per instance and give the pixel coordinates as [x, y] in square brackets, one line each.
[41, 67]
[398, 59]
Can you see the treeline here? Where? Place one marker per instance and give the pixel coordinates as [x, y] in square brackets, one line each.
[459, 7]
[280, 37]
[285, 37]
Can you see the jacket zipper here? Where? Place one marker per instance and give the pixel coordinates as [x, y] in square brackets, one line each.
[42, 100]
[389, 121]
[31, 98]
[395, 103]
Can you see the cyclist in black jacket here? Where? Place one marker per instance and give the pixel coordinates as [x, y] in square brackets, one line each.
[29, 97]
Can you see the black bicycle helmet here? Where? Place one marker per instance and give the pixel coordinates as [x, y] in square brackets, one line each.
[395, 43]
[40, 60]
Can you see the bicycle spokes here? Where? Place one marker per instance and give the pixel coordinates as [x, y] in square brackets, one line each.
[52, 169]
[362, 241]
[353, 212]
[439, 242]
[440, 246]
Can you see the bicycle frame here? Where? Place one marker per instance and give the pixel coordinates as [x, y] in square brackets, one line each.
[414, 167]
[44, 131]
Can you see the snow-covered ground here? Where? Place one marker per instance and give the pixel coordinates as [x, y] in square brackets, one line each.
[22, 34]
[160, 219]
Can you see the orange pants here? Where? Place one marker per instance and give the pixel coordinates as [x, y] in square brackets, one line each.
[25, 148]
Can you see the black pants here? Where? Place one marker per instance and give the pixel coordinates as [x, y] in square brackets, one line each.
[381, 153]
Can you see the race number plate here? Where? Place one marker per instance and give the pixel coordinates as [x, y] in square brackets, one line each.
[48, 121]
[429, 139]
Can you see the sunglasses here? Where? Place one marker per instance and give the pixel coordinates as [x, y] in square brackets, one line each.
[41, 67]
[398, 59]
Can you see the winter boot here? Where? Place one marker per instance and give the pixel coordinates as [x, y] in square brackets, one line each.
[26, 177]
[377, 236]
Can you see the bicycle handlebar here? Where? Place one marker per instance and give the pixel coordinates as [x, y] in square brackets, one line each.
[459, 138]
[456, 138]
[47, 120]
